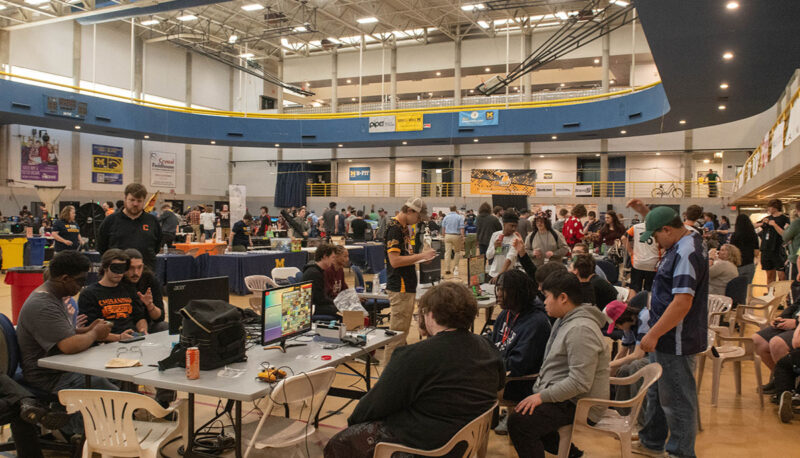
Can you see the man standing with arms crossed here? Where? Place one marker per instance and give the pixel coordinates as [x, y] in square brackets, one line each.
[678, 331]
[453, 228]
[401, 282]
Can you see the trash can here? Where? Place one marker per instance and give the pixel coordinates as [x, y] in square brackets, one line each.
[23, 281]
[33, 254]
[13, 252]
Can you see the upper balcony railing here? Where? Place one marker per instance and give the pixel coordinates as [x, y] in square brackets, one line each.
[542, 96]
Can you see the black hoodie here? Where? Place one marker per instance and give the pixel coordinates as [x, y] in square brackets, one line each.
[323, 305]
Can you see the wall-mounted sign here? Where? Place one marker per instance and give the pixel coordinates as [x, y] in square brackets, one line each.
[583, 190]
[379, 124]
[544, 189]
[39, 157]
[359, 173]
[63, 106]
[162, 169]
[506, 181]
[478, 118]
[548, 175]
[408, 122]
[106, 164]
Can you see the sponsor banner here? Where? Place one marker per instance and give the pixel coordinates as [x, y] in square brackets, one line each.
[544, 189]
[408, 122]
[39, 158]
[563, 190]
[793, 126]
[583, 190]
[507, 181]
[777, 140]
[378, 124]
[106, 164]
[478, 118]
[359, 173]
[764, 158]
[237, 202]
[162, 169]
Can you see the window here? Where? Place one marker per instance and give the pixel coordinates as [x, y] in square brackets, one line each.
[41, 76]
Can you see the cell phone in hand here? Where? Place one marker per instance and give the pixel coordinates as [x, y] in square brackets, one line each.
[132, 339]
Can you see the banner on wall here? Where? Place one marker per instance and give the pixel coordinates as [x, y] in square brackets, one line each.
[408, 122]
[583, 190]
[563, 190]
[359, 173]
[506, 181]
[378, 124]
[764, 158]
[544, 189]
[793, 126]
[162, 169]
[39, 158]
[777, 140]
[106, 164]
[237, 202]
[478, 118]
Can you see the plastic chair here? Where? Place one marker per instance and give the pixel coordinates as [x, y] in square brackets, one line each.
[776, 288]
[278, 432]
[257, 284]
[283, 273]
[475, 434]
[724, 347]
[110, 428]
[745, 313]
[611, 423]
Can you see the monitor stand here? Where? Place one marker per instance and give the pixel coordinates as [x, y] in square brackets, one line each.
[282, 346]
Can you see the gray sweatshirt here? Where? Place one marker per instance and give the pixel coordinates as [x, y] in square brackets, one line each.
[576, 360]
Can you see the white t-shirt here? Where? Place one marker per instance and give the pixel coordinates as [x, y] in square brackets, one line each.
[207, 221]
[645, 254]
[507, 251]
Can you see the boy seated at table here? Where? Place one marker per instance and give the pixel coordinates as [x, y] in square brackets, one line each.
[112, 301]
[326, 275]
[144, 285]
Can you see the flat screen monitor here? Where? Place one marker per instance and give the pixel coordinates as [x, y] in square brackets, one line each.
[180, 293]
[431, 272]
[476, 270]
[285, 312]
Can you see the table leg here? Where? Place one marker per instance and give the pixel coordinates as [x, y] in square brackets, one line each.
[368, 369]
[237, 429]
[190, 439]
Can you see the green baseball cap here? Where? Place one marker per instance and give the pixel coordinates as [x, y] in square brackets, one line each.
[655, 220]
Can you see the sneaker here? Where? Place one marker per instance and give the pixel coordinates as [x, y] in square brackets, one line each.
[502, 426]
[785, 412]
[639, 449]
[769, 388]
[35, 413]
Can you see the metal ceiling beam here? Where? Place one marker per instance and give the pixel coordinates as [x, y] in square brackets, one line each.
[85, 14]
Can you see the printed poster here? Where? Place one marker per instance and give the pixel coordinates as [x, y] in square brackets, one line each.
[359, 173]
[39, 158]
[793, 126]
[106, 164]
[379, 124]
[507, 181]
[408, 122]
[237, 202]
[478, 118]
[162, 169]
[777, 140]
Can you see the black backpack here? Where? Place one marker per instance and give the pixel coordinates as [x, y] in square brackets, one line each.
[216, 328]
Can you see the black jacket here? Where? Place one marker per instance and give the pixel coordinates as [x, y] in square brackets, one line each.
[487, 225]
[323, 305]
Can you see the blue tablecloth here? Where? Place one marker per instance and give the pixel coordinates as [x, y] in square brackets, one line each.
[175, 267]
[373, 256]
[238, 266]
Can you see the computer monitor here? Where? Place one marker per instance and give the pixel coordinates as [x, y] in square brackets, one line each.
[431, 272]
[180, 293]
[285, 312]
[476, 270]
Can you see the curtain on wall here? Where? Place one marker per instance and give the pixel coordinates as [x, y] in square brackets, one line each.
[290, 187]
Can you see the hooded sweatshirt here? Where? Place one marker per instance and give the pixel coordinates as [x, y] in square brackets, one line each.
[323, 302]
[576, 360]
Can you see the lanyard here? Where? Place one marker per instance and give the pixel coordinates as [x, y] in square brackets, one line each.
[507, 330]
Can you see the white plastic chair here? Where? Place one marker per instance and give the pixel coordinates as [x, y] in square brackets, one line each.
[257, 284]
[745, 314]
[278, 432]
[475, 434]
[775, 288]
[723, 347]
[110, 428]
[612, 423]
[283, 273]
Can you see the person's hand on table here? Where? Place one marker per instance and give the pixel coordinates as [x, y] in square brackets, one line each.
[126, 334]
[529, 404]
[101, 329]
[81, 321]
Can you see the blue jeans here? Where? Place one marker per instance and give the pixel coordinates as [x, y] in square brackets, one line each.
[74, 381]
[672, 406]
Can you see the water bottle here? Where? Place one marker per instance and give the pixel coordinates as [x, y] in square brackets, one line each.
[376, 283]
[165, 250]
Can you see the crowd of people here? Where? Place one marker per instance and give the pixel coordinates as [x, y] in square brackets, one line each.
[558, 312]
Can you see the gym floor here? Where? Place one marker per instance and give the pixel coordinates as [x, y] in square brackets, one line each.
[737, 427]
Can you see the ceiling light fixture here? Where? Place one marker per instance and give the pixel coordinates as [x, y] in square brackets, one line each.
[718, 154]
[554, 137]
[723, 86]
[722, 107]
[597, 155]
[77, 127]
[277, 145]
[623, 132]
[405, 143]
[438, 73]
[340, 145]
[213, 142]
[475, 140]
[253, 7]
[308, 162]
[430, 94]
[732, 5]
[619, 3]
[682, 121]
[727, 55]
[706, 161]
[300, 29]
[658, 154]
[562, 84]
[611, 82]
[487, 69]
[186, 17]
[473, 7]
[597, 61]
[232, 39]
[438, 158]
[150, 22]
[2, 7]
[146, 137]
[247, 55]
[541, 155]
[367, 20]
[352, 99]
[562, 15]
[488, 157]
[36, 2]
[349, 160]
[349, 81]
[472, 91]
